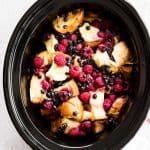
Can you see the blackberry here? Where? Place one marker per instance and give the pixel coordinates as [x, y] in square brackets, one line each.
[57, 101]
[88, 28]
[75, 113]
[39, 76]
[48, 95]
[65, 26]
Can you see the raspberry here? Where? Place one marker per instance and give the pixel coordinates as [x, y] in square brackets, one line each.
[101, 47]
[96, 23]
[95, 74]
[60, 60]
[85, 97]
[119, 81]
[87, 52]
[38, 62]
[62, 48]
[109, 44]
[101, 34]
[99, 82]
[48, 105]
[82, 77]
[79, 46]
[74, 132]
[45, 84]
[73, 37]
[86, 126]
[112, 97]
[64, 42]
[107, 104]
[88, 69]
[44, 69]
[64, 94]
[91, 87]
[117, 87]
[74, 71]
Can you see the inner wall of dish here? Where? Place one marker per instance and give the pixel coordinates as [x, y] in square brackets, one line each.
[35, 45]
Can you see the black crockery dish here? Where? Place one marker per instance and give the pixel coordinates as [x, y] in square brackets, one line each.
[17, 60]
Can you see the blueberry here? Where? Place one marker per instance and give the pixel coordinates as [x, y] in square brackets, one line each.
[94, 96]
[42, 92]
[48, 95]
[88, 28]
[65, 26]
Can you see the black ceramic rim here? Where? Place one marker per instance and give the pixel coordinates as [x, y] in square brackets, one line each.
[18, 113]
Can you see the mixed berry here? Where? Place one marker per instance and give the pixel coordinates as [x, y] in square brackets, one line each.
[79, 81]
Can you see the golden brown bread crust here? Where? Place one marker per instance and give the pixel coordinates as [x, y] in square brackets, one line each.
[98, 127]
[120, 54]
[72, 109]
[73, 20]
[97, 106]
[74, 88]
[90, 35]
[70, 124]
[117, 106]
[50, 44]
[36, 97]
[93, 44]
[87, 115]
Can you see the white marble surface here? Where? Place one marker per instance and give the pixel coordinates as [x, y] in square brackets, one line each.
[10, 13]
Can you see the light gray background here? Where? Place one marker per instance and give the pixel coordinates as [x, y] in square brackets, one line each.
[10, 13]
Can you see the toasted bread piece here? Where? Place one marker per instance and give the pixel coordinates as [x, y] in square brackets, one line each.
[98, 127]
[87, 115]
[93, 44]
[117, 106]
[71, 85]
[36, 97]
[47, 57]
[116, 39]
[70, 124]
[89, 34]
[69, 23]
[56, 72]
[97, 106]
[126, 69]
[101, 58]
[120, 54]
[50, 44]
[72, 109]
